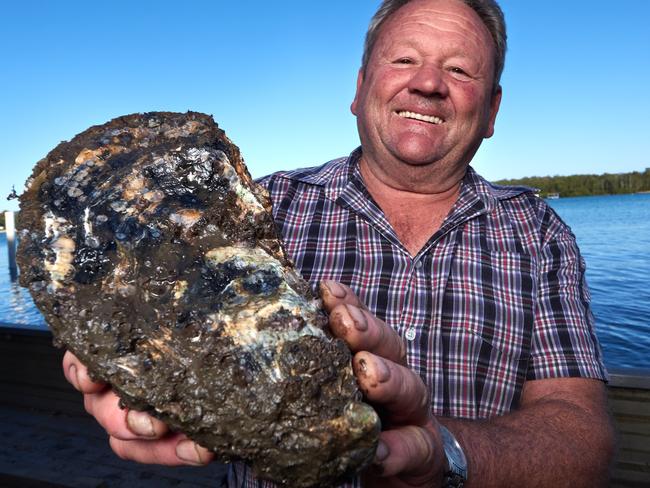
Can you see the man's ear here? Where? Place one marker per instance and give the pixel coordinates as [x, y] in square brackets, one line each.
[494, 109]
[355, 102]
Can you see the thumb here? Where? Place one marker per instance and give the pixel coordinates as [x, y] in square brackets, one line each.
[411, 453]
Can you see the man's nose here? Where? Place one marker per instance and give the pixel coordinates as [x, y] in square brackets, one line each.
[429, 80]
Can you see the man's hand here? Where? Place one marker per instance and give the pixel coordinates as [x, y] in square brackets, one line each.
[561, 434]
[410, 449]
[133, 435]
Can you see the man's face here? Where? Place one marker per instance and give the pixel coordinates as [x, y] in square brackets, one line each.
[426, 95]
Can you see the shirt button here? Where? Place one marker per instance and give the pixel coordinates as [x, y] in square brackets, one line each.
[418, 265]
[410, 334]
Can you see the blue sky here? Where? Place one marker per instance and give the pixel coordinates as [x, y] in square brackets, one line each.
[279, 78]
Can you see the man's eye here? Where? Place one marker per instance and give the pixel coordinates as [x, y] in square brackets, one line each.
[459, 73]
[404, 61]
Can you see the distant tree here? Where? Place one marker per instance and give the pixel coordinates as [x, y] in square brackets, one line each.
[579, 185]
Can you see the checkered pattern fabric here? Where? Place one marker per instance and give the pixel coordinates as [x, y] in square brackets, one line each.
[496, 297]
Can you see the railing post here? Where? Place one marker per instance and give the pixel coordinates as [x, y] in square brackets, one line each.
[11, 244]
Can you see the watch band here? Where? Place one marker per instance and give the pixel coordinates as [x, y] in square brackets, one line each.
[456, 473]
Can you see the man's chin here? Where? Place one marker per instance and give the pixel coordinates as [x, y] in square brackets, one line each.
[418, 151]
[417, 158]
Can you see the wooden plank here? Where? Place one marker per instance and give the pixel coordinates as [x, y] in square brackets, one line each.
[637, 443]
[626, 426]
[642, 396]
[629, 401]
[639, 459]
[629, 378]
[64, 391]
[21, 332]
[56, 400]
[37, 400]
[31, 375]
[630, 474]
[629, 395]
[625, 479]
[10, 481]
[635, 469]
[36, 372]
[638, 409]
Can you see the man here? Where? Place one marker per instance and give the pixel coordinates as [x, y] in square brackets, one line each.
[472, 331]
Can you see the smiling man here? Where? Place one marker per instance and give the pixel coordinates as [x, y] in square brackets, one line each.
[465, 303]
[426, 98]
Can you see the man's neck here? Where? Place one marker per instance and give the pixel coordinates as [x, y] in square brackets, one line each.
[414, 215]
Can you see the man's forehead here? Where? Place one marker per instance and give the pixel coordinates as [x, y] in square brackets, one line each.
[439, 18]
[450, 16]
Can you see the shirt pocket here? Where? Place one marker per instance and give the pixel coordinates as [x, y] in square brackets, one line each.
[491, 295]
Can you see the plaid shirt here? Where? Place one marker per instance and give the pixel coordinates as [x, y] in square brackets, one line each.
[496, 297]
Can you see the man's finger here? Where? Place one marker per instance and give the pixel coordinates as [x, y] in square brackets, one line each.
[173, 450]
[351, 321]
[409, 452]
[362, 331]
[122, 423]
[77, 375]
[334, 293]
[398, 390]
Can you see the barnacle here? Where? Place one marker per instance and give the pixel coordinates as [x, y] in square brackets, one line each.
[154, 258]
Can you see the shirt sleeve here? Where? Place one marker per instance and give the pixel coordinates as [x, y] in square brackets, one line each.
[564, 343]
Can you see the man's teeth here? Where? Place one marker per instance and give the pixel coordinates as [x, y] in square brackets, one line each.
[432, 119]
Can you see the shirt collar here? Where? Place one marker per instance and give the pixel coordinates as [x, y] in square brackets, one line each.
[334, 175]
[342, 182]
[338, 174]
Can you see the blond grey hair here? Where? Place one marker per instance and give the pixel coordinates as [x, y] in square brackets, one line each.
[487, 10]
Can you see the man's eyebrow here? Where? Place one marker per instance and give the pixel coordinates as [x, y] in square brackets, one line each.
[446, 52]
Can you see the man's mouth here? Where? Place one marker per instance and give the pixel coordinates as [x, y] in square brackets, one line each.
[431, 119]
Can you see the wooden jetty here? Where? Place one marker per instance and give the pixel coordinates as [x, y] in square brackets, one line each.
[48, 439]
[31, 379]
[629, 400]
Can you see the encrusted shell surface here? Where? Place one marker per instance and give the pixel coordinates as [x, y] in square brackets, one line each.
[154, 258]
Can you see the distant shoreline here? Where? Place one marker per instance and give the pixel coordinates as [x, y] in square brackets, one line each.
[548, 196]
[586, 184]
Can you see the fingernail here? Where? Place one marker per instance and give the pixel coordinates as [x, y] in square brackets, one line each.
[359, 319]
[335, 288]
[381, 453]
[140, 423]
[72, 372]
[363, 366]
[187, 451]
[382, 373]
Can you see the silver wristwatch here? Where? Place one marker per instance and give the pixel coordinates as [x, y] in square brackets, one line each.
[456, 472]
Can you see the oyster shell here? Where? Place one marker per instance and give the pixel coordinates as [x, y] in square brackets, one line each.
[154, 258]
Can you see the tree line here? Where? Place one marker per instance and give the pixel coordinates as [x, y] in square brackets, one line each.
[581, 185]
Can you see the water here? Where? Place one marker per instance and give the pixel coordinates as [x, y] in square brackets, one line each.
[614, 236]
[16, 305]
[613, 233]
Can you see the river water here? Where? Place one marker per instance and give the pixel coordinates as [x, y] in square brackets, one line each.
[613, 233]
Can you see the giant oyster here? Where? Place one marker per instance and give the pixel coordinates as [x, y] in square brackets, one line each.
[154, 258]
